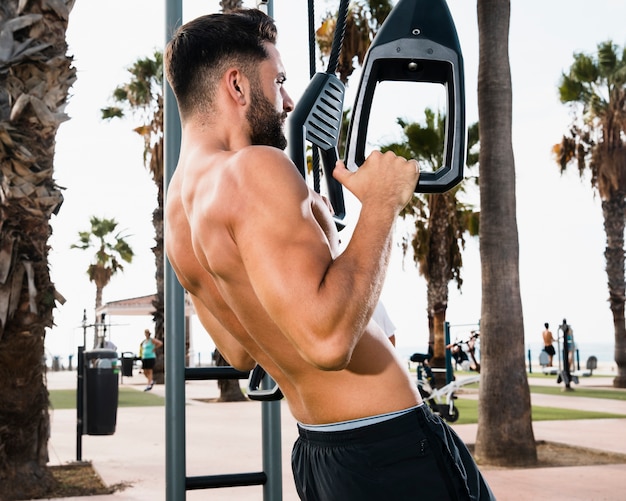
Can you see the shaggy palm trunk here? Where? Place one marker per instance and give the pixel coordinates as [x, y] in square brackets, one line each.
[614, 210]
[35, 77]
[505, 435]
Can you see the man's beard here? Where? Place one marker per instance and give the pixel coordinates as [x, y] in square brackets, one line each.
[266, 124]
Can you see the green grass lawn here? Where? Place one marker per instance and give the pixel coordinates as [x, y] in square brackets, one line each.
[66, 399]
[579, 391]
[468, 413]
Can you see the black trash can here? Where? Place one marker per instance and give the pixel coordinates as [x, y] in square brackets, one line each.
[101, 392]
[128, 359]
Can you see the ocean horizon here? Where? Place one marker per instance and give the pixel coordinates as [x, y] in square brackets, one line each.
[604, 352]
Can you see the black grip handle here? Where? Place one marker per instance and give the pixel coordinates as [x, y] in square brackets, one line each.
[317, 119]
[255, 392]
[417, 43]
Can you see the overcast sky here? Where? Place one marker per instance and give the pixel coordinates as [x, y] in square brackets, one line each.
[560, 222]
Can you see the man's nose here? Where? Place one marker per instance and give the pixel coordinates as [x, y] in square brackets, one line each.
[288, 104]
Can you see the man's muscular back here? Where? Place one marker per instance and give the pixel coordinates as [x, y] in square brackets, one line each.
[221, 199]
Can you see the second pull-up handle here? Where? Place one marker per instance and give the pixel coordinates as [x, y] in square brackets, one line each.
[416, 43]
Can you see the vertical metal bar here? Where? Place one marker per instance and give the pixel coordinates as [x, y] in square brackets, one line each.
[175, 453]
[449, 371]
[80, 403]
[271, 442]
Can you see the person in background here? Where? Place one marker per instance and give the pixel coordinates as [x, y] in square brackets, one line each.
[147, 354]
[548, 339]
[382, 318]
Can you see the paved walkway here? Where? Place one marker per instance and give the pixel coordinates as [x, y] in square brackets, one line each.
[226, 438]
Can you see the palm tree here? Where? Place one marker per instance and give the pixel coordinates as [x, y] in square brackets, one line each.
[505, 435]
[35, 77]
[228, 5]
[111, 249]
[142, 98]
[441, 222]
[595, 87]
[362, 22]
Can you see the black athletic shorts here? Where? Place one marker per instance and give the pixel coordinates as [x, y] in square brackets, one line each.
[148, 363]
[414, 456]
[549, 350]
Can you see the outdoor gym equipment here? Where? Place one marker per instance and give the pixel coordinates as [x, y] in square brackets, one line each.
[317, 119]
[441, 400]
[565, 375]
[466, 358]
[417, 42]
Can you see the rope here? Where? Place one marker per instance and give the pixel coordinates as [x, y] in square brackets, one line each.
[335, 51]
[315, 154]
[311, 38]
[340, 30]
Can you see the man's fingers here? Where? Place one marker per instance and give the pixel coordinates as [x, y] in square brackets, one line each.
[340, 172]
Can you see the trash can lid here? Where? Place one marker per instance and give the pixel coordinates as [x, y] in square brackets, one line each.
[100, 353]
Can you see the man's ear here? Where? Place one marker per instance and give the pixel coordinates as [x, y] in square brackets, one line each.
[236, 85]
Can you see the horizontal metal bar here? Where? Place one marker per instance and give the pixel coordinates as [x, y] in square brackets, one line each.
[206, 373]
[226, 480]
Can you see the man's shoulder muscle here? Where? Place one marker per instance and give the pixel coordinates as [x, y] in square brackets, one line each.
[268, 185]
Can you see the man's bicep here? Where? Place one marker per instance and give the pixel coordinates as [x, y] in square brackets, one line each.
[285, 257]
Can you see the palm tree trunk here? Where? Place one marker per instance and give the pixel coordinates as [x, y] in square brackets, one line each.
[438, 279]
[505, 435]
[97, 321]
[159, 257]
[230, 391]
[35, 77]
[613, 210]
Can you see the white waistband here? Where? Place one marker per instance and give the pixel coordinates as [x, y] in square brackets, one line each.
[357, 423]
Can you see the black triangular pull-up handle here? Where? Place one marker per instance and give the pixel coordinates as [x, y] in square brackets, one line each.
[317, 118]
[417, 42]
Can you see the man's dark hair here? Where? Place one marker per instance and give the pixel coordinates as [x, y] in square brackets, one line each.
[201, 50]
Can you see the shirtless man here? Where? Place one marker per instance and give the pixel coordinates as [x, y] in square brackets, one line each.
[548, 339]
[258, 252]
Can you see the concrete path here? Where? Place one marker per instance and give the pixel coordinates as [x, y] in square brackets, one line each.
[226, 438]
